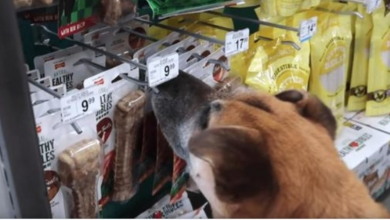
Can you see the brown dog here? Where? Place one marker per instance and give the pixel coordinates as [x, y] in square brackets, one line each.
[255, 155]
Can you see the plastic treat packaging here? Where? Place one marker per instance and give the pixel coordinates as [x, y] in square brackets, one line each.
[357, 95]
[40, 61]
[378, 101]
[114, 90]
[71, 71]
[165, 209]
[22, 3]
[211, 73]
[285, 8]
[330, 59]
[49, 107]
[79, 160]
[163, 169]
[180, 178]
[228, 85]
[116, 10]
[277, 65]
[149, 143]
[128, 120]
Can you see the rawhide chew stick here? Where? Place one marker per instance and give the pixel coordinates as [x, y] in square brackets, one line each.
[78, 167]
[128, 120]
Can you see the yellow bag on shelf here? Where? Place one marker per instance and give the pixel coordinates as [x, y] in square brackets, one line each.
[378, 88]
[357, 95]
[330, 59]
[272, 8]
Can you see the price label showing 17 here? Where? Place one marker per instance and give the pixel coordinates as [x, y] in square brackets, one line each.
[236, 42]
[79, 104]
[162, 69]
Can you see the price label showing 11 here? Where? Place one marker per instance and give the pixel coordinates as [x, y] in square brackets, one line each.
[236, 42]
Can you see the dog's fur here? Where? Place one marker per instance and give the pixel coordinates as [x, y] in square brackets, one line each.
[255, 155]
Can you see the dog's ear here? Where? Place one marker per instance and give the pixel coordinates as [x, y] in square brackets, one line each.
[234, 153]
[311, 108]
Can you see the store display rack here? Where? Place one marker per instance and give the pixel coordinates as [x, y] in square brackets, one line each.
[19, 153]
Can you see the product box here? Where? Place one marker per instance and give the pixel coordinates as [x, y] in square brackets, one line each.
[366, 151]
[381, 123]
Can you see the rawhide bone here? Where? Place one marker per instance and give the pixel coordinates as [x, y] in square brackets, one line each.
[128, 120]
[78, 167]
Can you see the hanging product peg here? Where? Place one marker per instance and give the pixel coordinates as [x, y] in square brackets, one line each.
[291, 43]
[259, 22]
[108, 54]
[188, 20]
[75, 126]
[181, 31]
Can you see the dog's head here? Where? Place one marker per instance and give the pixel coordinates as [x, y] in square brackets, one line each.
[244, 145]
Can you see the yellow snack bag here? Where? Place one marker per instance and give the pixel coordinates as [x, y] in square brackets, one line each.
[272, 8]
[378, 88]
[329, 60]
[357, 95]
[278, 66]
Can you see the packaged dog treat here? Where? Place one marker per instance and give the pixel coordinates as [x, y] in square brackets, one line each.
[180, 178]
[378, 102]
[54, 138]
[47, 147]
[71, 71]
[277, 66]
[128, 120]
[149, 144]
[78, 163]
[115, 10]
[329, 60]
[114, 90]
[163, 169]
[165, 209]
[358, 88]
[275, 8]
[124, 43]
[212, 69]
[39, 61]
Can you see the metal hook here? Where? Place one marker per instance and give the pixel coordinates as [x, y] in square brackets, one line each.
[146, 37]
[196, 56]
[181, 31]
[355, 13]
[259, 22]
[219, 62]
[45, 44]
[90, 63]
[136, 81]
[285, 42]
[108, 54]
[75, 126]
[181, 50]
[207, 24]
